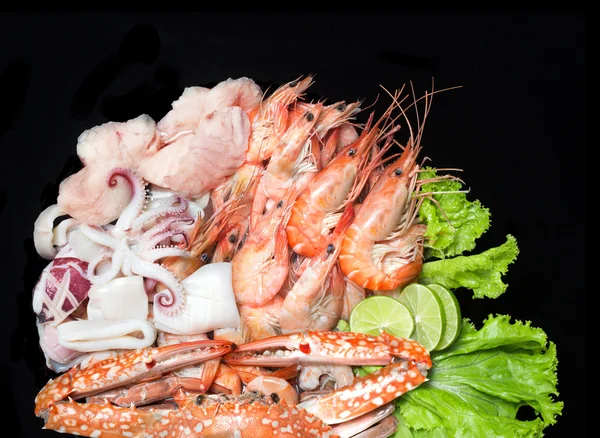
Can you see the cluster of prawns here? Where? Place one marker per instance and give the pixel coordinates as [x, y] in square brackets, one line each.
[316, 218]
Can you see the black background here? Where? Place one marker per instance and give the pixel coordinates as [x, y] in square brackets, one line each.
[516, 128]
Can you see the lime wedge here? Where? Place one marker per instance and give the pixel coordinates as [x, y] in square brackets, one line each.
[451, 312]
[382, 313]
[427, 311]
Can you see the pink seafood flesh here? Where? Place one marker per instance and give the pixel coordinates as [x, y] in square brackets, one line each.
[195, 102]
[55, 353]
[85, 195]
[199, 143]
[120, 144]
[196, 163]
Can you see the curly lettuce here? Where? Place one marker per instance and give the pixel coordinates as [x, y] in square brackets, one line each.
[482, 273]
[453, 222]
[479, 384]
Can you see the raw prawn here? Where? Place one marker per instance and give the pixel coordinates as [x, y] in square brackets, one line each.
[261, 321]
[287, 163]
[380, 215]
[243, 185]
[297, 312]
[319, 206]
[269, 119]
[382, 249]
[260, 267]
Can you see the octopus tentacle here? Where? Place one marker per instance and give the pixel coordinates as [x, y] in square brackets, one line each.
[165, 225]
[170, 300]
[159, 253]
[99, 236]
[138, 189]
[158, 238]
[62, 229]
[172, 210]
[116, 264]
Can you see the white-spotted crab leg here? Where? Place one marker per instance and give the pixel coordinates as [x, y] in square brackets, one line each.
[248, 415]
[313, 348]
[406, 364]
[126, 369]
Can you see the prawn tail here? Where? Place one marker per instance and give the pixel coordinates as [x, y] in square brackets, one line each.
[406, 275]
[410, 271]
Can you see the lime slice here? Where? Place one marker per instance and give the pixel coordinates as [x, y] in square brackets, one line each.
[427, 311]
[382, 313]
[451, 312]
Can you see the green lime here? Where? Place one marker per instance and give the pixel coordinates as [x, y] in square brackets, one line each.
[451, 312]
[382, 313]
[427, 311]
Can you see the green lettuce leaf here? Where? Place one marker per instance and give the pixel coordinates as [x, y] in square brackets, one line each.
[482, 273]
[453, 222]
[477, 385]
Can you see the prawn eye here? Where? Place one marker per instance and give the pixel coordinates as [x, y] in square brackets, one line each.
[352, 152]
[204, 257]
[398, 172]
[294, 84]
[280, 204]
[275, 397]
[341, 107]
[199, 399]
[330, 248]
[310, 117]
[231, 238]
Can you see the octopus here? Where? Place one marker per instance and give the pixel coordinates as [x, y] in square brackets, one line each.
[134, 244]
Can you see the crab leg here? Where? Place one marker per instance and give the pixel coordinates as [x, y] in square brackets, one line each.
[100, 419]
[364, 422]
[126, 369]
[246, 415]
[407, 370]
[313, 347]
[366, 393]
[406, 367]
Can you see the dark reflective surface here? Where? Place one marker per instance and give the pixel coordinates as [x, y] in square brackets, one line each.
[516, 128]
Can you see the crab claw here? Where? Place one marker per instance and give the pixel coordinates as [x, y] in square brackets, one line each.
[127, 368]
[407, 349]
[367, 393]
[313, 347]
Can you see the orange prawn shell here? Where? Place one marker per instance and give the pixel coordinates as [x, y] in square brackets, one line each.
[325, 194]
[270, 119]
[378, 216]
